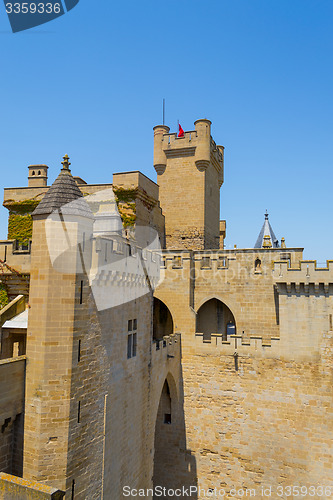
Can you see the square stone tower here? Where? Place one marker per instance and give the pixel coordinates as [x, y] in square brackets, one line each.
[190, 174]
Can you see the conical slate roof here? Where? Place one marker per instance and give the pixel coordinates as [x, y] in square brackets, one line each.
[64, 196]
[266, 230]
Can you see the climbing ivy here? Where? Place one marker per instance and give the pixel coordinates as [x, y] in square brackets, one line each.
[20, 220]
[125, 199]
[20, 228]
[3, 296]
[128, 220]
[21, 207]
[124, 195]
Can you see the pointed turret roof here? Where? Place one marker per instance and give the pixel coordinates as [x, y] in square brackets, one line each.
[64, 194]
[266, 230]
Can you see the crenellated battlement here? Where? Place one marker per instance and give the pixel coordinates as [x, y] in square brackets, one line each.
[189, 139]
[167, 348]
[306, 274]
[253, 345]
[175, 146]
[254, 263]
[198, 143]
[121, 271]
[190, 172]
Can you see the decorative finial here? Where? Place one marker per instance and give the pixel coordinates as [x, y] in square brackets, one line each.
[267, 241]
[266, 215]
[66, 163]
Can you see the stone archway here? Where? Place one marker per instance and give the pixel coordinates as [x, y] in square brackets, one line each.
[162, 320]
[174, 465]
[165, 442]
[215, 317]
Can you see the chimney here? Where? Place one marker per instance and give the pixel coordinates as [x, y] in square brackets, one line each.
[37, 175]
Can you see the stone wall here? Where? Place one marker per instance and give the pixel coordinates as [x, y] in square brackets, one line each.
[144, 193]
[15, 488]
[12, 379]
[267, 423]
[193, 278]
[91, 408]
[258, 406]
[55, 291]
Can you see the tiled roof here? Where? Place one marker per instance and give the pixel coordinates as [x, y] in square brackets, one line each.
[267, 230]
[64, 194]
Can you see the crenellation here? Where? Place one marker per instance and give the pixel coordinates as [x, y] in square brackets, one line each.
[240, 344]
[186, 364]
[306, 271]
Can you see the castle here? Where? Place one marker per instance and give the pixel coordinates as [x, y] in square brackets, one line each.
[138, 353]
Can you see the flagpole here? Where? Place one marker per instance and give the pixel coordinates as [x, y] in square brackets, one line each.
[177, 127]
[163, 111]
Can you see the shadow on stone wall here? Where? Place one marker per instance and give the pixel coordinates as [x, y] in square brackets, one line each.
[174, 465]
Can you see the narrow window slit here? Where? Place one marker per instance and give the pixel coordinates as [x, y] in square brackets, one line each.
[81, 292]
[73, 489]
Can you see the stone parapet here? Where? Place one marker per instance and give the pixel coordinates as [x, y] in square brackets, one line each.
[307, 273]
[254, 345]
[167, 348]
[12, 373]
[16, 488]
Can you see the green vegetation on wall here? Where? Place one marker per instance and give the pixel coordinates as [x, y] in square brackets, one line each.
[128, 220]
[20, 228]
[21, 207]
[3, 296]
[20, 220]
[125, 199]
[124, 195]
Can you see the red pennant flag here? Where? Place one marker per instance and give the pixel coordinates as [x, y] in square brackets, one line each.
[181, 131]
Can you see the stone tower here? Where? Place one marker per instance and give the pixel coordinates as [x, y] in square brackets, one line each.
[190, 174]
[37, 175]
[62, 228]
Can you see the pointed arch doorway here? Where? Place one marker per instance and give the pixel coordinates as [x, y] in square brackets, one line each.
[215, 317]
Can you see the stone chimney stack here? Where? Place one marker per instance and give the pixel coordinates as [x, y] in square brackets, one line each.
[37, 175]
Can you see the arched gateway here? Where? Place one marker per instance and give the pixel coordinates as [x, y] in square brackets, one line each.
[215, 317]
[162, 322]
[174, 465]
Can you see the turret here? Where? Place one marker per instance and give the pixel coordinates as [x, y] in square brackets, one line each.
[202, 152]
[37, 175]
[61, 249]
[190, 174]
[160, 160]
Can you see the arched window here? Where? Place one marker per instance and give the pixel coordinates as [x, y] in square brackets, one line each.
[257, 266]
[215, 317]
[162, 320]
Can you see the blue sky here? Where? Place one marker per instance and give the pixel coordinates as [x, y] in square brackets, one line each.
[91, 84]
